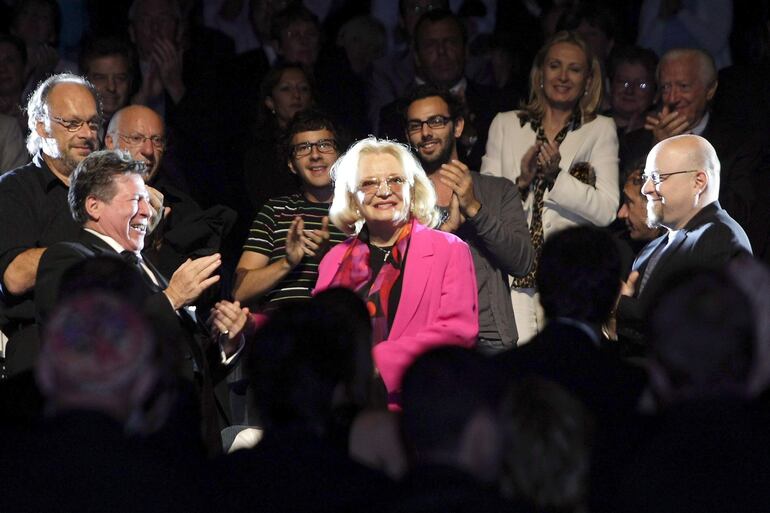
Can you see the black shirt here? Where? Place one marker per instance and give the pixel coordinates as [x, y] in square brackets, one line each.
[34, 213]
[377, 258]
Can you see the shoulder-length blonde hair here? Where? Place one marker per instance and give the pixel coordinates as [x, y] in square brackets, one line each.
[588, 102]
[419, 203]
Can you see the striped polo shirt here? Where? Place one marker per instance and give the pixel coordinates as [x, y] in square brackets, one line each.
[267, 236]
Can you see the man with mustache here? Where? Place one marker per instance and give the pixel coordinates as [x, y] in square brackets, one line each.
[484, 211]
[681, 183]
[64, 116]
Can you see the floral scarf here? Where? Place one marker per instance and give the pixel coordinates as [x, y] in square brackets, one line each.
[356, 274]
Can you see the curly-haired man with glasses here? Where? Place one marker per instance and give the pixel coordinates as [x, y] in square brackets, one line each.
[64, 116]
[291, 234]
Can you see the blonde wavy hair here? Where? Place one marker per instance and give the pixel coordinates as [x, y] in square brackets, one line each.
[419, 199]
[592, 98]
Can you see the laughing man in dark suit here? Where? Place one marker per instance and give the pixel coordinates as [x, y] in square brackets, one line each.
[108, 198]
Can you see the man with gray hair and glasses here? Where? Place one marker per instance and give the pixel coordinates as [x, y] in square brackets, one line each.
[681, 184]
[64, 116]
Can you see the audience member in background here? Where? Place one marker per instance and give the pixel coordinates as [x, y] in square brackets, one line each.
[13, 153]
[98, 371]
[547, 439]
[296, 32]
[108, 63]
[451, 430]
[394, 73]
[687, 79]
[579, 286]
[418, 283]
[743, 101]
[63, 118]
[262, 13]
[252, 65]
[298, 464]
[285, 90]
[708, 437]
[682, 183]
[37, 23]
[706, 24]
[484, 211]
[506, 60]
[359, 42]
[13, 59]
[632, 88]
[232, 18]
[595, 23]
[439, 50]
[291, 234]
[178, 229]
[753, 278]
[562, 156]
[363, 40]
[186, 75]
[633, 214]
[155, 27]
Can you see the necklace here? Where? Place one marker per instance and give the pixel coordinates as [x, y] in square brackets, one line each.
[385, 252]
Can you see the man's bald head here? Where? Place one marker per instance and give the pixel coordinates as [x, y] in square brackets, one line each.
[693, 152]
[681, 177]
[140, 131]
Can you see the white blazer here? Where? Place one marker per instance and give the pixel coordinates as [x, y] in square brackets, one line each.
[570, 202]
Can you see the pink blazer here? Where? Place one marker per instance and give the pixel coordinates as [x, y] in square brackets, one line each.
[438, 306]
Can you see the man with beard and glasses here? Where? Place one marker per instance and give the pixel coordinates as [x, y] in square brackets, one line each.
[681, 183]
[484, 211]
[64, 116]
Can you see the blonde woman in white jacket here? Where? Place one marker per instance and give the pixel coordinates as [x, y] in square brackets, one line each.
[561, 155]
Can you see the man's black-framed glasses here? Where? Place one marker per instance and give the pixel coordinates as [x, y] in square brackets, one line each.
[435, 122]
[656, 177]
[306, 148]
[73, 125]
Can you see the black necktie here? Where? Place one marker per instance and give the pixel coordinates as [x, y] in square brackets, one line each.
[136, 261]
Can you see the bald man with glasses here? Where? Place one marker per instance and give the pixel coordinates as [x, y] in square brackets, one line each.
[681, 184]
[179, 228]
[64, 116]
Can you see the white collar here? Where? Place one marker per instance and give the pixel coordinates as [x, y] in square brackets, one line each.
[701, 126]
[111, 242]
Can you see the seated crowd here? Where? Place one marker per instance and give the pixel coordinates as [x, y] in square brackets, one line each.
[537, 287]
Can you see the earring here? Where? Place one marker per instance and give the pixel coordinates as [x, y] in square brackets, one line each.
[541, 84]
[585, 93]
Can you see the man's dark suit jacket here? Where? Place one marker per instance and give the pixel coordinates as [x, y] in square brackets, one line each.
[565, 354]
[294, 469]
[198, 359]
[740, 156]
[81, 460]
[188, 232]
[500, 246]
[482, 105]
[710, 240]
